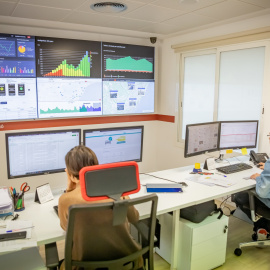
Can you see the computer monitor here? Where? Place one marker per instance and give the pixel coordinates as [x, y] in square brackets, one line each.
[238, 134]
[35, 153]
[201, 138]
[115, 144]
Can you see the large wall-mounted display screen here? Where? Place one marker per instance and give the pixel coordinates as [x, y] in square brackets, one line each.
[43, 77]
[128, 79]
[68, 77]
[18, 97]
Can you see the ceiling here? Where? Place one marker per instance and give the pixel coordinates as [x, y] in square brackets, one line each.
[160, 17]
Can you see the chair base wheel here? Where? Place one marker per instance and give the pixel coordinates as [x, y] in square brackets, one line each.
[254, 237]
[238, 252]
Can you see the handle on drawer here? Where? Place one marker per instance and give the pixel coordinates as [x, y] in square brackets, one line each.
[225, 229]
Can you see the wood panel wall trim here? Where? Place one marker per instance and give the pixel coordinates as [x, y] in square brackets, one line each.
[235, 38]
[49, 123]
[165, 118]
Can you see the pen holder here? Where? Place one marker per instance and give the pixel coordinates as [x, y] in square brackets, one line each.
[19, 202]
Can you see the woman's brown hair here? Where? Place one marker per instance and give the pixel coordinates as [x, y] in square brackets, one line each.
[79, 157]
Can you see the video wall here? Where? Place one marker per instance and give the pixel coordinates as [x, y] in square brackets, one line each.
[43, 77]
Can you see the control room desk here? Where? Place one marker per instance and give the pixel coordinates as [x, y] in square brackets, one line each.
[194, 194]
[47, 228]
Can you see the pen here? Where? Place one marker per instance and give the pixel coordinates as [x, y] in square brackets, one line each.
[222, 174]
[16, 230]
[11, 191]
[14, 196]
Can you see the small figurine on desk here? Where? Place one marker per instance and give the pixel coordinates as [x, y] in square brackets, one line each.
[197, 168]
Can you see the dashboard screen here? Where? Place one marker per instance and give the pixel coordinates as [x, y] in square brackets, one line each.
[115, 144]
[128, 78]
[238, 134]
[34, 153]
[46, 77]
[201, 138]
[18, 97]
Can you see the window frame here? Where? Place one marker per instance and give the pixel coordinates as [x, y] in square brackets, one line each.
[217, 50]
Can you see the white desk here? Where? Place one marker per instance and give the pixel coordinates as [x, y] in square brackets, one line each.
[47, 227]
[193, 194]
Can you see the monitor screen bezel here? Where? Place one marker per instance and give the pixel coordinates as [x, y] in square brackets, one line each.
[7, 135]
[244, 146]
[186, 155]
[118, 128]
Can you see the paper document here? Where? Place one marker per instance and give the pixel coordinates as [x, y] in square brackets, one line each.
[3, 223]
[248, 178]
[195, 178]
[5, 199]
[18, 244]
[210, 180]
[20, 225]
[218, 180]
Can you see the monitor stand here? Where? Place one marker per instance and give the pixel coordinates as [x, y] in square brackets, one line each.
[220, 159]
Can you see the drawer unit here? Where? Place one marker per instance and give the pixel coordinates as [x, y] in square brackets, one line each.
[202, 246]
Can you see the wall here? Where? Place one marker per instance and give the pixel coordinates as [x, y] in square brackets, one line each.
[161, 150]
[32, 27]
[171, 153]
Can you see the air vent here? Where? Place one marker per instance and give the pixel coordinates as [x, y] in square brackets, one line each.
[108, 7]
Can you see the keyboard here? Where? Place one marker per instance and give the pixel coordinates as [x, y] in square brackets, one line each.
[234, 168]
[12, 236]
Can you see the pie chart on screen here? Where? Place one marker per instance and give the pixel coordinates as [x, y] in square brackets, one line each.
[21, 49]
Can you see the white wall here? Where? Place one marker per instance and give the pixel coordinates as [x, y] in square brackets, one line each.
[171, 154]
[160, 148]
[32, 27]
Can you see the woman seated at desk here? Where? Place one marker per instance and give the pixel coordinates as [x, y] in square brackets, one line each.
[105, 241]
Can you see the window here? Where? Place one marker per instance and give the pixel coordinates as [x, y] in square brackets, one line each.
[199, 88]
[241, 84]
[222, 85]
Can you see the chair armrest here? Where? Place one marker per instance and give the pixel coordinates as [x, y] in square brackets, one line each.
[142, 227]
[51, 254]
[252, 194]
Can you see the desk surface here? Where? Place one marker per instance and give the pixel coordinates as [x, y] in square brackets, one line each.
[47, 226]
[195, 193]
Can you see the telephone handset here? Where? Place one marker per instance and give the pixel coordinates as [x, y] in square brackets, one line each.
[258, 157]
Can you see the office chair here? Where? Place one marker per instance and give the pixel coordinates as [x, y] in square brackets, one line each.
[24, 259]
[97, 183]
[256, 214]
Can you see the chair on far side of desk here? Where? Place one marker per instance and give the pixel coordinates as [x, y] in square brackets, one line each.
[256, 211]
[25, 259]
[113, 181]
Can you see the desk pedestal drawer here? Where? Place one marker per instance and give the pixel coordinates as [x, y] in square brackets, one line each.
[202, 246]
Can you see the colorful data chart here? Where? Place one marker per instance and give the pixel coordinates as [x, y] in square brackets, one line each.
[17, 69]
[26, 48]
[95, 108]
[129, 64]
[7, 48]
[69, 70]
